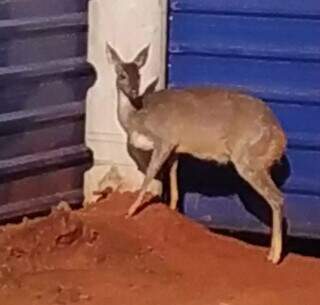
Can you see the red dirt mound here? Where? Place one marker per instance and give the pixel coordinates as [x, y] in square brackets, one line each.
[96, 256]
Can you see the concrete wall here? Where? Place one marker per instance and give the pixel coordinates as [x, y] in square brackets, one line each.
[128, 26]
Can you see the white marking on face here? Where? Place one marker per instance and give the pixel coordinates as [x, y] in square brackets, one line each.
[141, 141]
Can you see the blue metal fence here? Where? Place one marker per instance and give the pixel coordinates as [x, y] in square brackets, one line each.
[271, 49]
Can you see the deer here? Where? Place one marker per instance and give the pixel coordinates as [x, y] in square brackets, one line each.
[221, 125]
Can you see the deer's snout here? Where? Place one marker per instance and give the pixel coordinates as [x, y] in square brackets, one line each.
[134, 93]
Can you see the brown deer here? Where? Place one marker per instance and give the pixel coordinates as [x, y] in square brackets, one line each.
[214, 124]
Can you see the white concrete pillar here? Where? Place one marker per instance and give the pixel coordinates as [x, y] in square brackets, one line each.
[128, 26]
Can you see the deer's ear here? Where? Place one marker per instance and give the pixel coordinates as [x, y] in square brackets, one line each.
[113, 56]
[142, 57]
[151, 87]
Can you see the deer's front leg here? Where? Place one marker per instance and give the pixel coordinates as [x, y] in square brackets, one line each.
[159, 155]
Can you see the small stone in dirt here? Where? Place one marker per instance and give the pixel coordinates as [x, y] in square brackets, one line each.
[91, 236]
[149, 248]
[38, 296]
[100, 258]
[85, 297]
[71, 230]
[16, 252]
[25, 221]
[63, 206]
[133, 286]
[70, 295]
[149, 271]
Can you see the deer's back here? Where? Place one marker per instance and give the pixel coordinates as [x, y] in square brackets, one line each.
[207, 120]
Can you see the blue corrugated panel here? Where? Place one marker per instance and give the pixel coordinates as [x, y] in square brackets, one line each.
[44, 78]
[272, 50]
[290, 8]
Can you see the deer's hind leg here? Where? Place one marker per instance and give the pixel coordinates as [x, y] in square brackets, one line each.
[174, 192]
[261, 181]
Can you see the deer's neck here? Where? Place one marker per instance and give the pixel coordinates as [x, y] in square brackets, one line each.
[125, 109]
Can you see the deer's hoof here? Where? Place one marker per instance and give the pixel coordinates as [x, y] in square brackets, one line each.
[274, 256]
[131, 212]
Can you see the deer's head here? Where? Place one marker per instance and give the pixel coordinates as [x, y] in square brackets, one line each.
[128, 73]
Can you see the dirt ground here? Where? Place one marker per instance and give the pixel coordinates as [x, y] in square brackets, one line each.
[95, 256]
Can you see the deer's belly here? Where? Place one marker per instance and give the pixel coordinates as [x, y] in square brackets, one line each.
[219, 153]
[141, 141]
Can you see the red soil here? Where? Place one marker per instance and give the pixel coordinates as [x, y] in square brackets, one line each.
[95, 256]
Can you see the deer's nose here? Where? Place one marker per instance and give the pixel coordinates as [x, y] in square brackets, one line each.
[134, 93]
